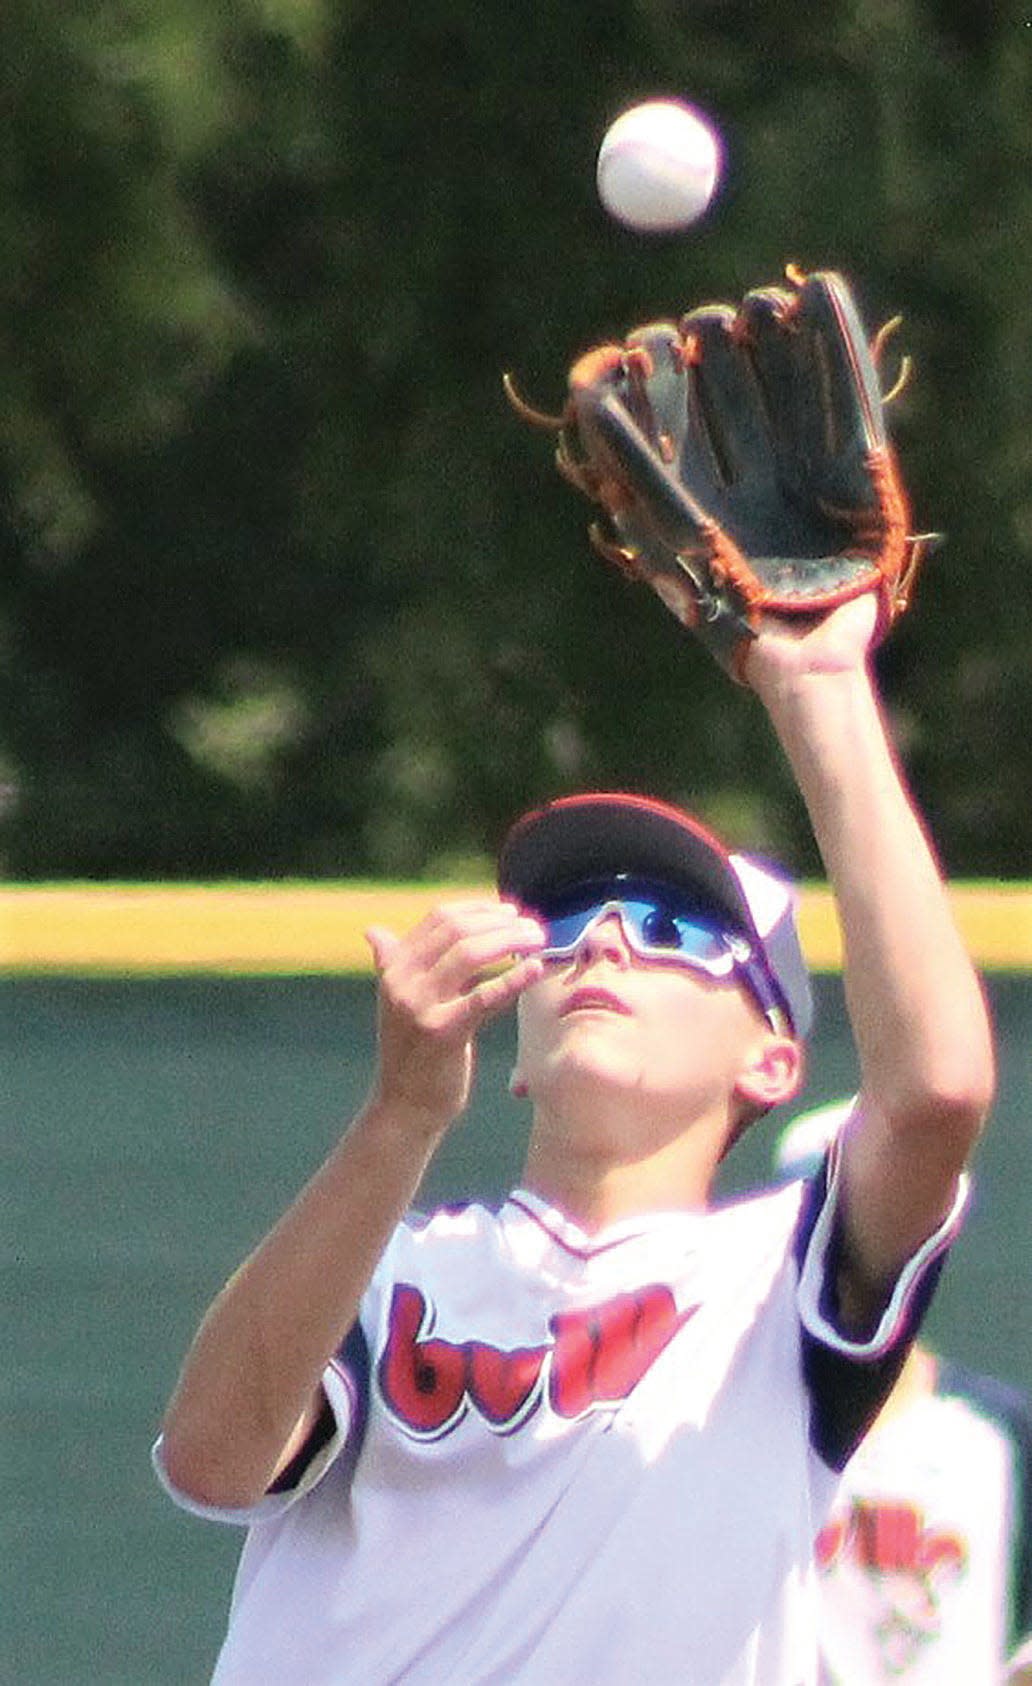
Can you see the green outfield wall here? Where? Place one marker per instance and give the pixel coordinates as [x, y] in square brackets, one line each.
[158, 1111]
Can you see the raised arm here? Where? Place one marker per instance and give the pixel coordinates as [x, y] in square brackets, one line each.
[915, 1001]
[249, 1392]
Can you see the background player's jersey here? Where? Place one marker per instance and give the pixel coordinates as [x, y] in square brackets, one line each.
[926, 1559]
[562, 1457]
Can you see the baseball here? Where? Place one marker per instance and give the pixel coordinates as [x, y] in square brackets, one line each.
[658, 166]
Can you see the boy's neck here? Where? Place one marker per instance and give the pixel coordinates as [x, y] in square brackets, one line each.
[596, 1188]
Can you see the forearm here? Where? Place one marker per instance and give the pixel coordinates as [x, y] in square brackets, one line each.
[252, 1375]
[250, 1385]
[914, 998]
[915, 1002]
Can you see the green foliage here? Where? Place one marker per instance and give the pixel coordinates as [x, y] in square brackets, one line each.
[285, 586]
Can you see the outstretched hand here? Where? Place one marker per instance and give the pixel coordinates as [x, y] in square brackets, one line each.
[466, 962]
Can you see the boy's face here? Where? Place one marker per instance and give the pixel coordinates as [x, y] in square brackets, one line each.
[652, 1027]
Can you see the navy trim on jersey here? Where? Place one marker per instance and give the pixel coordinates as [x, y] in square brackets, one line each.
[352, 1356]
[592, 1249]
[290, 1475]
[1010, 1411]
[846, 1393]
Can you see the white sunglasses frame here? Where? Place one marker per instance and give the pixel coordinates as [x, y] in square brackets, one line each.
[740, 956]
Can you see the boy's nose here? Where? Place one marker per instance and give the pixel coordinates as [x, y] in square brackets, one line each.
[606, 939]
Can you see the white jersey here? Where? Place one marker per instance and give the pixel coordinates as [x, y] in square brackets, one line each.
[926, 1560]
[562, 1459]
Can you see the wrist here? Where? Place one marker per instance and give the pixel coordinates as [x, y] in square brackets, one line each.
[818, 693]
[400, 1122]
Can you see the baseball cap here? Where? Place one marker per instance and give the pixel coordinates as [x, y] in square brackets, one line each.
[806, 1138]
[602, 835]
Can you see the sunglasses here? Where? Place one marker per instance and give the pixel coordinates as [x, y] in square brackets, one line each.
[657, 928]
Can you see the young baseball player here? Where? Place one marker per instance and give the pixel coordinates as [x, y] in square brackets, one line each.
[925, 1559]
[591, 1438]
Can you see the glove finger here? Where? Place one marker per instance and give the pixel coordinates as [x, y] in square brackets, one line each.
[780, 365]
[640, 422]
[654, 389]
[813, 363]
[825, 309]
[647, 375]
[639, 429]
[794, 518]
[638, 476]
[725, 394]
[862, 476]
[811, 360]
[846, 420]
[668, 412]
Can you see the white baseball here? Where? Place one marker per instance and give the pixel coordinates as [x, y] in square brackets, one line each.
[658, 166]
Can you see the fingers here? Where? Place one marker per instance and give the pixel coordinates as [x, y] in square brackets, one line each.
[382, 942]
[458, 939]
[496, 994]
[463, 962]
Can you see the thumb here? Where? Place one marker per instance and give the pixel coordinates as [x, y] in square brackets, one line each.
[383, 943]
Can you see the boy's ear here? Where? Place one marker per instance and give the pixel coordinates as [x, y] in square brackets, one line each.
[774, 1074]
[517, 1087]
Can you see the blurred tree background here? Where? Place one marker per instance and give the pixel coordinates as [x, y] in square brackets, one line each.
[285, 586]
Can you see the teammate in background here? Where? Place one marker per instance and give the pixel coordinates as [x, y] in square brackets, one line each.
[589, 1439]
[925, 1561]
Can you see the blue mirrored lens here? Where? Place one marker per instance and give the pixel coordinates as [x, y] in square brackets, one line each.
[652, 928]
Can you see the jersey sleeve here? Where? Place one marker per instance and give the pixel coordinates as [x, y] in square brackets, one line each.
[338, 1433]
[849, 1377]
[329, 1439]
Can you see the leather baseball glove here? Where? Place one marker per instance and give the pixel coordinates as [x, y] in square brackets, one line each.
[742, 460]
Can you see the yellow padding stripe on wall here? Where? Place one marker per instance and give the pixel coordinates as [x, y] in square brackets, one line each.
[304, 928]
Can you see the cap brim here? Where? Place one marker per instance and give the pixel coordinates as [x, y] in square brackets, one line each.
[580, 838]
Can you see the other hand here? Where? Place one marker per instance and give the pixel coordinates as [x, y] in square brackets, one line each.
[464, 963]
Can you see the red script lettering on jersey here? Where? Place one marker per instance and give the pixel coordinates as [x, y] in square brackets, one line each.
[596, 1356]
[889, 1538]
